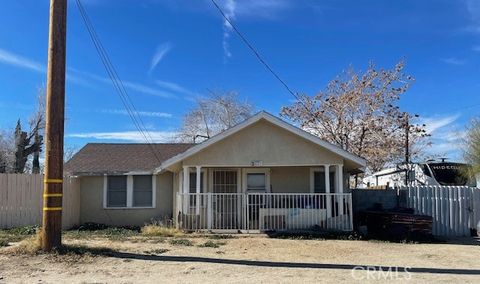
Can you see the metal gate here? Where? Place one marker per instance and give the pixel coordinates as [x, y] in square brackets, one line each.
[256, 212]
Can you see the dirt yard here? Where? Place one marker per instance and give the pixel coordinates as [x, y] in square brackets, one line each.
[197, 259]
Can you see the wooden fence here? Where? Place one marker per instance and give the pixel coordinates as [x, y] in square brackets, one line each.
[21, 201]
[455, 209]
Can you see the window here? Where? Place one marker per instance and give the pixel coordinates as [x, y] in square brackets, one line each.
[193, 182]
[256, 181]
[129, 191]
[117, 191]
[142, 191]
[319, 182]
[193, 189]
[224, 181]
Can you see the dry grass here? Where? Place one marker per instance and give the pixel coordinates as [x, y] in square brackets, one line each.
[153, 230]
[102, 260]
[30, 246]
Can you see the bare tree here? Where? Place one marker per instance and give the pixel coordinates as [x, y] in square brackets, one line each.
[212, 115]
[359, 113]
[7, 152]
[30, 143]
[69, 152]
[37, 128]
[471, 147]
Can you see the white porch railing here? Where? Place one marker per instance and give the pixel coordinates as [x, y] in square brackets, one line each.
[264, 211]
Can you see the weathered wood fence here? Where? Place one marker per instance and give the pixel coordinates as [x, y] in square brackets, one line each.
[21, 201]
[455, 209]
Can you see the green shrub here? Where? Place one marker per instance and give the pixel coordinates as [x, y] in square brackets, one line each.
[24, 231]
[181, 242]
[211, 244]
[84, 250]
[157, 251]
[89, 230]
[220, 237]
[4, 243]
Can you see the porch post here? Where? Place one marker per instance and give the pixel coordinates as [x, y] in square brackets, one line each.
[339, 171]
[327, 191]
[199, 181]
[186, 187]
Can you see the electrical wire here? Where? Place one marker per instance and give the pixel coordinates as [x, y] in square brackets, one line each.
[259, 57]
[116, 81]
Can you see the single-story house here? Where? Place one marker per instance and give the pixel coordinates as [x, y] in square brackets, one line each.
[262, 174]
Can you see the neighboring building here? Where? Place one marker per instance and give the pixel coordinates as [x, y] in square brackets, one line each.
[261, 174]
[429, 173]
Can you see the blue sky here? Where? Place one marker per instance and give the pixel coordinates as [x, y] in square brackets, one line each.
[169, 52]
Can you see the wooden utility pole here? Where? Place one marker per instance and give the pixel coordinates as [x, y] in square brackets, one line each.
[407, 149]
[55, 108]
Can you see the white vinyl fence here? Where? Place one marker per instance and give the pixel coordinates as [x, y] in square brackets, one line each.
[21, 201]
[455, 209]
[256, 212]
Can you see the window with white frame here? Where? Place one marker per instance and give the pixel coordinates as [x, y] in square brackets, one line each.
[129, 191]
[117, 191]
[256, 181]
[142, 191]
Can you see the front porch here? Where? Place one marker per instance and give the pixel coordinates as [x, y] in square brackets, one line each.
[254, 199]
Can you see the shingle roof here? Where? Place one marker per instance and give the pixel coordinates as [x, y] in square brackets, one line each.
[102, 158]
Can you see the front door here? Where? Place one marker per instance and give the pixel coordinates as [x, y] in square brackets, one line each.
[226, 200]
[256, 184]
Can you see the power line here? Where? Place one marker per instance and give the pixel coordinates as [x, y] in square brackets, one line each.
[256, 53]
[117, 83]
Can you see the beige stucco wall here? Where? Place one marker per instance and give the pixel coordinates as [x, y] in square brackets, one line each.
[266, 142]
[289, 179]
[91, 203]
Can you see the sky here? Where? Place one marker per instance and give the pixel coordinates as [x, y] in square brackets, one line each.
[168, 53]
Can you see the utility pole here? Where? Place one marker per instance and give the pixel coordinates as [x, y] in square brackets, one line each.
[55, 109]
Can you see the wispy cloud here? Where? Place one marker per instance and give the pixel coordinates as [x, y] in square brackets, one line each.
[20, 61]
[147, 90]
[131, 136]
[446, 136]
[76, 76]
[138, 87]
[160, 53]
[174, 87]
[229, 10]
[140, 113]
[267, 9]
[435, 123]
[476, 48]
[454, 61]
[473, 8]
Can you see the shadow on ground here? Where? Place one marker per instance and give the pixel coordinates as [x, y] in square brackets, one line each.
[258, 263]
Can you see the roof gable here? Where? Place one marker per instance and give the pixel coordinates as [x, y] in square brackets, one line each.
[254, 119]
